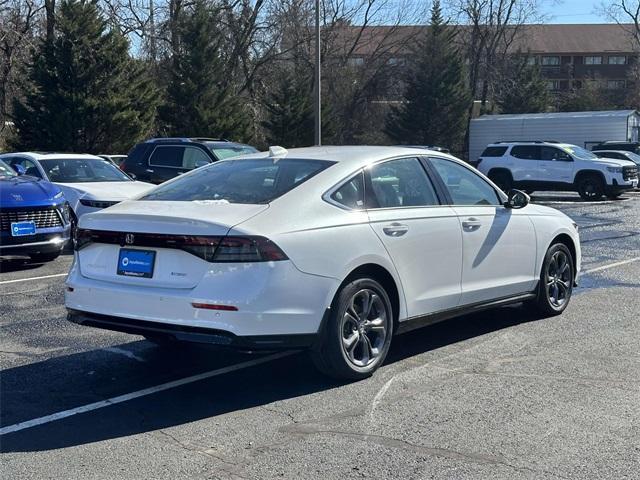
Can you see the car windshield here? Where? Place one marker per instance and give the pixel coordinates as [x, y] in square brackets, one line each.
[6, 170]
[240, 181]
[82, 170]
[580, 152]
[223, 152]
[634, 157]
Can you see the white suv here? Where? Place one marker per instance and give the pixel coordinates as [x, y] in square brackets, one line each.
[537, 165]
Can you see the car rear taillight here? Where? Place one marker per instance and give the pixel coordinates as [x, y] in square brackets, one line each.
[248, 249]
[213, 249]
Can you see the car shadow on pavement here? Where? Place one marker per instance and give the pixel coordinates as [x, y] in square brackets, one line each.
[44, 388]
[18, 264]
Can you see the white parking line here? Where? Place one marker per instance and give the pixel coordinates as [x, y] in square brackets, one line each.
[33, 278]
[140, 393]
[610, 265]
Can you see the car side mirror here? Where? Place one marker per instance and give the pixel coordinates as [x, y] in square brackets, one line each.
[20, 170]
[517, 199]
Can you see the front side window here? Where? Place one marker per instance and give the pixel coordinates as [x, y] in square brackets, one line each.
[178, 156]
[464, 186]
[401, 183]
[250, 181]
[82, 170]
[552, 153]
[351, 193]
[224, 151]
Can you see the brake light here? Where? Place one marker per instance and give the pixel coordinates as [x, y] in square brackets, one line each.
[248, 249]
[212, 249]
[214, 306]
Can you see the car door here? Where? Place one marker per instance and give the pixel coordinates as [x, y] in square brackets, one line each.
[556, 165]
[498, 243]
[526, 168]
[421, 235]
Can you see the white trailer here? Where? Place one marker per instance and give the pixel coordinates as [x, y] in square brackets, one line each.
[584, 129]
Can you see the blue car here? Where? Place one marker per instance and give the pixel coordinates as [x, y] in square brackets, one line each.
[34, 216]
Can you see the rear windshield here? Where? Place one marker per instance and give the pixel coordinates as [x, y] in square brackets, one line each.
[240, 181]
[494, 151]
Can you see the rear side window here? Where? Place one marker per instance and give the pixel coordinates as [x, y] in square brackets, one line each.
[252, 181]
[494, 151]
[526, 152]
[351, 194]
[401, 183]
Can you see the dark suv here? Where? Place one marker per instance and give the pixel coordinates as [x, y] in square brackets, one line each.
[161, 159]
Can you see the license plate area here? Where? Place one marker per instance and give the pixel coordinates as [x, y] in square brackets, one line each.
[136, 263]
[21, 229]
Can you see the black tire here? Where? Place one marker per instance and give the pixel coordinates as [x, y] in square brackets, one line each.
[332, 356]
[44, 257]
[590, 187]
[502, 179]
[552, 301]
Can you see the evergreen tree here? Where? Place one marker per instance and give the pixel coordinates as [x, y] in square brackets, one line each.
[436, 99]
[289, 108]
[86, 93]
[200, 98]
[522, 89]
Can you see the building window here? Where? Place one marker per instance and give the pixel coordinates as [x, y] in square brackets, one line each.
[553, 85]
[615, 84]
[356, 61]
[550, 61]
[396, 61]
[531, 60]
[593, 60]
[617, 60]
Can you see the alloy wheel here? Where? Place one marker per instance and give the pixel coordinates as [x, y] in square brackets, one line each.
[559, 278]
[364, 328]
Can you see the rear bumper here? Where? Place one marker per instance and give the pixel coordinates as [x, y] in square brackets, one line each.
[190, 333]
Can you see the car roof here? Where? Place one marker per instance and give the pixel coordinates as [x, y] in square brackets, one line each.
[351, 155]
[55, 156]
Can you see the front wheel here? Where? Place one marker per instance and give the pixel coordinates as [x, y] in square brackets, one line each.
[556, 281]
[590, 188]
[356, 338]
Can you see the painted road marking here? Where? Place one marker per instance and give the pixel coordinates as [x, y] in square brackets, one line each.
[610, 265]
[33, 278]
[140, 393]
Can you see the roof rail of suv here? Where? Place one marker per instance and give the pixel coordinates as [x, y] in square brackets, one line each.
[528, 141]
[185, 139]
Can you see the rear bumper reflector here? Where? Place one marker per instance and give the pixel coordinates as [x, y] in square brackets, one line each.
[213, 306]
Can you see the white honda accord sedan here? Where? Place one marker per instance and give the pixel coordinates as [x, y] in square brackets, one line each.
[334, 249]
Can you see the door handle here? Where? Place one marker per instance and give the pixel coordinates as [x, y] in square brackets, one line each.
[148, 170]
[395, 229]
[471, 224]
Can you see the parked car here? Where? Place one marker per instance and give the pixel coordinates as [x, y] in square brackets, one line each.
[89, 183]
[161, 159]
[34, 216]
[619, 155]
[633, 147]
[538, 165]
[290, 249]
[115, 159]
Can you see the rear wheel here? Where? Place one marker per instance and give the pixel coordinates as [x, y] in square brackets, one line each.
[356, 338]
[591, 187]
[502, 179]
[556, 281]
[44, 257]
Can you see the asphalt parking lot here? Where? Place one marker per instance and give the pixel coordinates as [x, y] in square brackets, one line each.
[495, 395]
